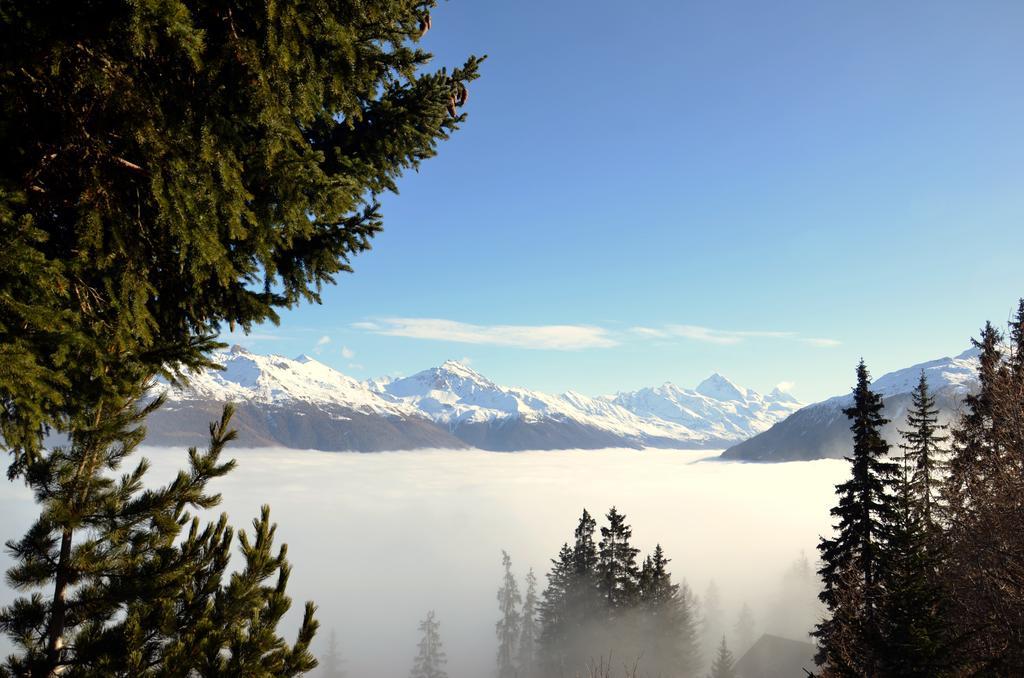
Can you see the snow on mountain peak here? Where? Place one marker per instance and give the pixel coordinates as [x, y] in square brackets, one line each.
[462, 370]
[959, 372]
[719, 388]
[274, 379]
[453, 394]
[780, 396]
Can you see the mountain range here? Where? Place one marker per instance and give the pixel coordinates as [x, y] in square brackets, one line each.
[303, 403]
[822, 431]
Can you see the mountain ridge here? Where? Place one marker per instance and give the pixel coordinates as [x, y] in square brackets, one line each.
[821, 430]
[301, 402]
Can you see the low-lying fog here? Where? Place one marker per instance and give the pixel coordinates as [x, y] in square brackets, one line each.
[377, 540]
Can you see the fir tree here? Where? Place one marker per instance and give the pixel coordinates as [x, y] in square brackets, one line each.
[431, 659]
[554, 615]
[912, 606]
[797, 608]
[974, 438]
[529, 630]
[584, 597]
[164, 599]
[850, 641]
[723, 665]
[171, 169]
[743, 630]
[669, 619]
[1016, 357]
[713, 618]
[922, 453]
[509, 627]
[617, 571]
[137, 222]
[330, 663]
[984, 511]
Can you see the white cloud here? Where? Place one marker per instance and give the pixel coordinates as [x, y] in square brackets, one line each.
[347, 353]
[726, 337]
[649, 332]
[320, 343]
[822, 343]
[551, 337]
[785, 386]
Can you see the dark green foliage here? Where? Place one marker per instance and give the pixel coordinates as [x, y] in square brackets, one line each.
[431, 659]
[913, 606]
[974, 438]
[616, 566]
[923, 457]
[139, 594]
[850, 641]
[916, 640]
[598, 603]
[913, 638]
[556, 614]
[723, 665]
[172, 166]
[509, 627]
[583, 589]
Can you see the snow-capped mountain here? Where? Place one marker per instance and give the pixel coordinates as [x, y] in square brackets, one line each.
[299, 403]
[717, 408]
[821, 430]
[303, 403]
[271, 379]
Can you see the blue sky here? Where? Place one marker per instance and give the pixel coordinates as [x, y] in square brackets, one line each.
[654, 191]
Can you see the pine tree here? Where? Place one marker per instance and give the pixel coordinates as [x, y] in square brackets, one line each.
[743, 630]
[583, 592]
[723, 665]
[617, 571]
[911, 609]
[670, 625]
[137, 222]
[797, 608]
[974, 438]
[509, 627]
[572, 603]
[556, 622]
[922, 452]
[431, 659]
[850, 641]
[713, 619]
[164, 599]
[984, 510]
[172, 169]
[331, 662]
[529, 631]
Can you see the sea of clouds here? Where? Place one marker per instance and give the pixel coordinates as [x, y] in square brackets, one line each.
[377, 540]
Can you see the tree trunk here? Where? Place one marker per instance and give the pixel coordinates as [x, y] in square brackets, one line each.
[58, 612]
